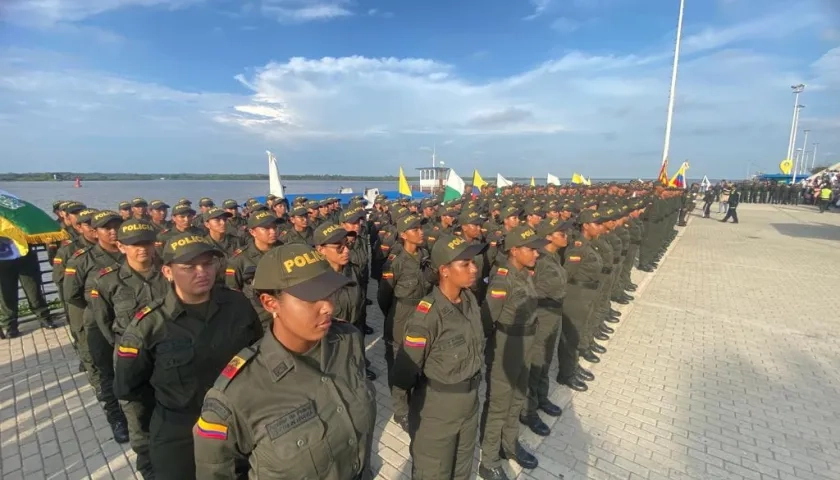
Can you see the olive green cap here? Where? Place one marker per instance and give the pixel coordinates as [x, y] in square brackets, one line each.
[510, 211]
[328, 233]
[470, 217]
[184, 201]
[215, 212]
[524, 236]
[311, 205]
[206, 202]
[183, 209]
[298, 211]
[139, 202]
[449, 248]
[86, 215]
[408, 222]
[534, 209]
[546, 228]
[298, 270]
[125, 205]
[134, 232]
[74, 207]
[263, 218]
[352, 214]
[230, 203]
[589, 216]
[56, 205]
[450, 211]
[158, 205]
[186, 246]
[102, 217]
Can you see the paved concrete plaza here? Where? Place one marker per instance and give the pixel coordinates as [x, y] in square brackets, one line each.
[726, 366]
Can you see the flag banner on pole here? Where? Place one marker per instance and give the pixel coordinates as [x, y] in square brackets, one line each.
[678, 180]
[663, 173]
[552, 180]
[404, 188]
[578, 179]
[502, 182]
[454, 187]
[477, 181]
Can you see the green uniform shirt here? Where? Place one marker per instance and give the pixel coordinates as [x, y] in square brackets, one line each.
[271, 411]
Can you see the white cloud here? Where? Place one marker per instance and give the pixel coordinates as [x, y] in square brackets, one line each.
[50, 12]
[772, 26]
[305, 10]
[540, 7]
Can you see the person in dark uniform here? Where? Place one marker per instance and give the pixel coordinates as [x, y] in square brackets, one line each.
[732, 212]
[440, 361]
[125, 210]
[550, 281]
[406, 279]
[297, 404]
[298, 230]
[215, 222]
[182, 219]
[236, 224]
[352, 220]
[509, 314]
[139, 207]
[177, 345]
[27, 271]
[157, 214]
[81, 274]
[470, 222]
[115, 298]
[240, 267]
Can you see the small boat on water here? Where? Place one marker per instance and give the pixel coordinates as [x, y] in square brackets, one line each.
[276, 188]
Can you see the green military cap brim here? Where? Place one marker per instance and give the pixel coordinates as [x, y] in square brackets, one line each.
[353, 215]
[450, 248]
[85, 216]
[554, 225]
[298, 211]
[183, 209]
[328, 234]
[298, 270]
[57, 204]
[215, 213]
[73, 207]
[158, 205]
[135, 232]
[524, 236]
[263, 218]
[230, 203]
[206, 202]
[125, 206]
[185, 247]
[139, 202]
[104, 217]
[408, 222]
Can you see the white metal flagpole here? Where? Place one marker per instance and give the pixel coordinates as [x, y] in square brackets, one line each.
[673, 93]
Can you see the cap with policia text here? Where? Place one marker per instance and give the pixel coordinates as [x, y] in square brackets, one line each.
[263, 218]
[158, 205]
[184, 201]
[298, 211]
[215, 212]
[182, 209]
[408, 222]
[328, 233]
[449, 248]
[74, 207]
[510, 211]
[125, 205]
[86, 215]
[546, 228]
[352, 214]
[139, 202]
[230, 204]
[470, 217]
[187, 246]
[524, 236]
[135, 232]
[298, 270]
[206, 202]
[57, 204]
[588, 216]
[102, 217]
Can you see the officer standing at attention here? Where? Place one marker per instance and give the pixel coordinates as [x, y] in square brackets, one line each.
[215, 222]
[81, 274]
[550, 281]
[509, 314]
[470, 222]
[119, 294]
[125, 210]
[314, 414]
[298, 231]
[138, 208]
[157, 214]
[406, 279]
[440, 364]
[177, 345]
[359, 245]
[239, 272]
[182, 217]
[203, 205]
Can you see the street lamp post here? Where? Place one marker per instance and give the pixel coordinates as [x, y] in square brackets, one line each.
[797, 89]
[673, 93]
[795, 129]
[814, 157]
[804, 159]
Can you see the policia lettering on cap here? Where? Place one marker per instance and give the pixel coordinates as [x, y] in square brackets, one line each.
[297, 404]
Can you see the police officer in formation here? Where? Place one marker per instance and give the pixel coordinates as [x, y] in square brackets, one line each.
[485, 290]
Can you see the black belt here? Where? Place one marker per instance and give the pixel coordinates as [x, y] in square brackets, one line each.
[592, 285]
[464, 386]
[606, 270]
[624, 253]
[517, 330]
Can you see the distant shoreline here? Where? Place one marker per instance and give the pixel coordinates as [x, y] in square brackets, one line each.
[114, 177]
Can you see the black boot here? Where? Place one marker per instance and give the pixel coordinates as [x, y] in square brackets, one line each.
[590, 357]
[549, 408]
[402, 421]
[120, 431]
[497, 473]
[599, 349]
[584, 374]
[521, 456]
[606, 329]
[601, 336]
[536, 425]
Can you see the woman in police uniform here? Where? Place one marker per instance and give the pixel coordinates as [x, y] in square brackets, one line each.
[296, 405]
[440, 363]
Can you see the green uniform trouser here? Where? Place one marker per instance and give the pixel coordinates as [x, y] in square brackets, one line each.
[629, 262]
[577, 307]
[138, 415]
[76, 316]
[598, 313]
[395, 329]
[171, 445]
[507, 357]
[26, 270]
[617, 284]
[102, 355]
[442, 425]
[549, 321]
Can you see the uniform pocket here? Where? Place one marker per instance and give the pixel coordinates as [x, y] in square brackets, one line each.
[175, 359]
[300, 452]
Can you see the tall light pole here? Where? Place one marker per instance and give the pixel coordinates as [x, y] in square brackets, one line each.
[795, 130]
[800, 159]
[673, 93]
[797, 89]
[814, 157]
[804, 159]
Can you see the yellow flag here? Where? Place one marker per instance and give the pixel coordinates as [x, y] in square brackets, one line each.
[477, 182]
[404, 189]
[578, 179]
[786, 166]
[533, 184]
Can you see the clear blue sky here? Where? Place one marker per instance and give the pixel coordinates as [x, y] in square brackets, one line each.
[520, 87]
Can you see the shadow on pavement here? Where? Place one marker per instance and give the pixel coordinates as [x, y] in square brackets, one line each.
[804, 230]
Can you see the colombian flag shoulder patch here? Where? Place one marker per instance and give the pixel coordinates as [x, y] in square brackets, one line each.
[69, 271]
[424, 306]
[94, 293]
[142, 313]
[415, 342]
[213, 431]
[233, 367]
[574, 259]
[502, 272]
[498, 294]
[127, 352]
[230, 271]
[387, 275]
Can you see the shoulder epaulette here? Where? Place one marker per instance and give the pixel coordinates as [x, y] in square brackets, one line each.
[234, 366]
[106, 270]
[165, 231]
[66, 242]
[147, 309]
[425, 305]
[578, 243]
[502, 271]
[80, 251]
[237, 252]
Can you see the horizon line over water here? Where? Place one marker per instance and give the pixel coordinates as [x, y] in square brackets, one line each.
[108, 193]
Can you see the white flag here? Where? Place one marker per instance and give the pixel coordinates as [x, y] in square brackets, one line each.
[502, 181]
[552, 180]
